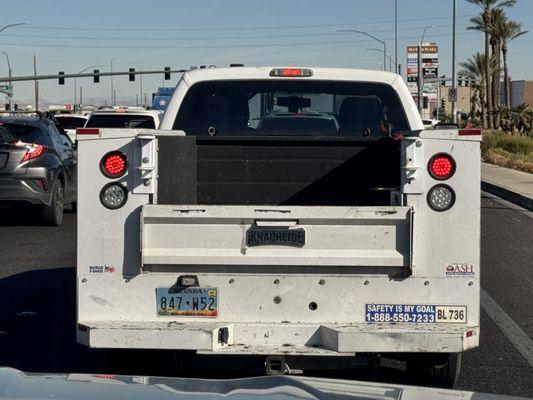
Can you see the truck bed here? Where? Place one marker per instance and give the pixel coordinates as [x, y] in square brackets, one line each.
[277, 171]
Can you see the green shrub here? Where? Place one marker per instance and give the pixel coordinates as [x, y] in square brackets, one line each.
[508, 150]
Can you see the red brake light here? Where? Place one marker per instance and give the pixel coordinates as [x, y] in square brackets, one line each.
[114, 164]
[87, 131]
[441, 166]
[291, 72]
[33, 152]
[469, 132]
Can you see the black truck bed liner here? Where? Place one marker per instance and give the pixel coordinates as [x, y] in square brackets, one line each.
[277, 171]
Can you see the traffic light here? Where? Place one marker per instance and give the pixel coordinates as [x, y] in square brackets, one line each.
[6, 107]
[443, 104]
[132, 74]
[96, 77]
[425, 101]
[443, 82]
[61, 79]
[167, 73]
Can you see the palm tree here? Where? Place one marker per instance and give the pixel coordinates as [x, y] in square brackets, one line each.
[498, 16]
[488, 7]
[507, 31]
[474, 68]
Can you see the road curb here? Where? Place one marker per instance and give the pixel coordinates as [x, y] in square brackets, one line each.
[509, 195]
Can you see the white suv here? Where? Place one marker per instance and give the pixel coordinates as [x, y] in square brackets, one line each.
[124, 118]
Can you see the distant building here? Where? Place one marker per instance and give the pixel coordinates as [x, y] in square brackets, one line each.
[521, 93]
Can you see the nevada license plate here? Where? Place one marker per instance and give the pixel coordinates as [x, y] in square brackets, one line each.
[191, 302]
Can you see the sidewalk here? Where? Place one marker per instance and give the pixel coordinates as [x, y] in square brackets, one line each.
[514, 186]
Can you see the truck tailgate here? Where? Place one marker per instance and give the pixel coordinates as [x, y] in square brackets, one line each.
[275, 235]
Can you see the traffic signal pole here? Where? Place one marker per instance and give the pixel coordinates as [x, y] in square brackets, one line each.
[86, 75]
[36, 83]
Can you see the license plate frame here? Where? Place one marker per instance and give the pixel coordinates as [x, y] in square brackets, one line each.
[180, 302]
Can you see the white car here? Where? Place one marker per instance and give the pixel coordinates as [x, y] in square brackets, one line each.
[70, 122]
[124, 118]
[430, 123]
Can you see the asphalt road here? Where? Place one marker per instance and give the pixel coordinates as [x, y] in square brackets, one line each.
[37, 297]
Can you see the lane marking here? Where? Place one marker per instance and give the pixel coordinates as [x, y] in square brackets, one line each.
[507, 204]
[510, 329]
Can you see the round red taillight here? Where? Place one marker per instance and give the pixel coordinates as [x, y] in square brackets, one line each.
[441, 166]
[114, 164]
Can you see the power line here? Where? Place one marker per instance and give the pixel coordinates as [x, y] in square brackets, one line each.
[233, 28]
[196, 38]
[256, 45]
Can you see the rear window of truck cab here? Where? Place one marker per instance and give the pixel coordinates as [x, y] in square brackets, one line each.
[120, 120]
[291, 108]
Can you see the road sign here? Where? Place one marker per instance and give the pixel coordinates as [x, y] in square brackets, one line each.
[7, 89]
[452, 95]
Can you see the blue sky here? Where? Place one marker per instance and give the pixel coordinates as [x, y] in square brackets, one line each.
[71, 35]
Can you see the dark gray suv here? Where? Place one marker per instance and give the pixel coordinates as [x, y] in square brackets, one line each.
[37, 165]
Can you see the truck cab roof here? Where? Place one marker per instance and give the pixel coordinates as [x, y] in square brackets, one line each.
[274, 73]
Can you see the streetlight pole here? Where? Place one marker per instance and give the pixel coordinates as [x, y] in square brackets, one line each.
[8, 64]
[75, 84]
[11, 25]
[112, 90]
[454, 77]
[391, 61]
[10, 96]
[420, 72]
[372, 37]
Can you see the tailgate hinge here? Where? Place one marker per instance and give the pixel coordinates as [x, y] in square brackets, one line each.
[144, 162]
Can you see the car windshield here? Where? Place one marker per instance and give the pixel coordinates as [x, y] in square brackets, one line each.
[291, 108]
[121, 121]
[24, 133]
[71, 122]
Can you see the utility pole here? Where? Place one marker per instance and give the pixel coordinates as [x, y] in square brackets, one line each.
[396, 36]
[141, 82]
[112, 90]
[36, 84]
[81, 99]
[454, 77]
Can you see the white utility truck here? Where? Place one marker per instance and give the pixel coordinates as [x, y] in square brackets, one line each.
[288, 213]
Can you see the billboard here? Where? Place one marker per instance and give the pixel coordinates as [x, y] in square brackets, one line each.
[430, 69]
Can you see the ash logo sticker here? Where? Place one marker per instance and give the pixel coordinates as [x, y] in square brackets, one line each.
[459, 269]
[100, 269]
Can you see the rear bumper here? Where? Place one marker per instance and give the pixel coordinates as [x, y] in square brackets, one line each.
[22, 190]
[287, 339]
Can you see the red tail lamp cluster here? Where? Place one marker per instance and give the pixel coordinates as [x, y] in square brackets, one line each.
[34, 151]
[114, 165]
[441, 167]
